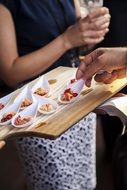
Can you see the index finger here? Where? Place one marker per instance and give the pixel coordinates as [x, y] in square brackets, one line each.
[83, 68]
[98, 12]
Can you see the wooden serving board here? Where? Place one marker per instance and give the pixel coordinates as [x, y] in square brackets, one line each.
[52, 126]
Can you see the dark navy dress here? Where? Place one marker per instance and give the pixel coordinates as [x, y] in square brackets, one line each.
[67, 163]
[38, 22]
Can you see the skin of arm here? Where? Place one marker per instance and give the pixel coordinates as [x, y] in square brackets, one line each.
[111, 60]
[15, 69]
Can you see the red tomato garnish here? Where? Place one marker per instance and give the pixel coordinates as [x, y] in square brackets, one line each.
[1, 106]
[75, 94]
[67, 90]
[72, 81]
[68, 96]
[7, 116]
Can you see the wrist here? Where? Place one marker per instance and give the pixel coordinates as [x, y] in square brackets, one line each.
[66, 43]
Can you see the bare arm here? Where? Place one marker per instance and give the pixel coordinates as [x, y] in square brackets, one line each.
[15, 69]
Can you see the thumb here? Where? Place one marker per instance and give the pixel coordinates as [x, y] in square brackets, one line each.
[90, 65]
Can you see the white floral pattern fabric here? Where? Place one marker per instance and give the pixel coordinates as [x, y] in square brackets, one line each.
[67, 163]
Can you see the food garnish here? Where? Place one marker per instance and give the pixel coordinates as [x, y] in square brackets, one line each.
[40, 91]
[7, 116]
[26, 102]
[52, 81]
[72, 81]
[46, 107]
[1, 106]
[68, 95]
[22, 120]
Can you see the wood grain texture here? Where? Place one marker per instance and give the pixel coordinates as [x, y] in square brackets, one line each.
[67, 115]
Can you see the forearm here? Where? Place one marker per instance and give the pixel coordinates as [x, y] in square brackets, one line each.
[15, 69]
[32, 64]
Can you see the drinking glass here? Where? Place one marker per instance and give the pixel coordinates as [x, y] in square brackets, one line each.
[88, 5]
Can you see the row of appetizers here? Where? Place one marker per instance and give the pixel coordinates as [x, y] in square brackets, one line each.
[24, 102]
[20, 116]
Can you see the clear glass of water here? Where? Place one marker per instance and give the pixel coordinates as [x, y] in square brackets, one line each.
[88, 5]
